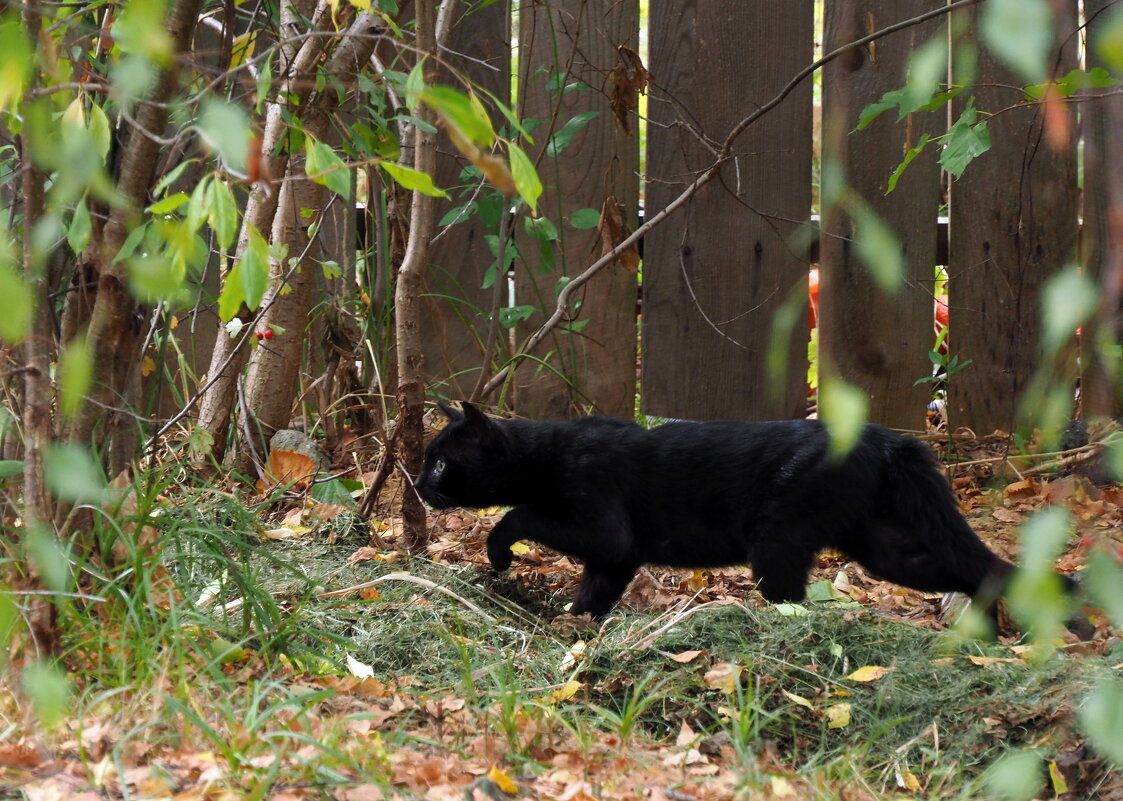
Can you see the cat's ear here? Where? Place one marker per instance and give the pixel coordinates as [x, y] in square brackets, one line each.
[474, 419]
[449, 412]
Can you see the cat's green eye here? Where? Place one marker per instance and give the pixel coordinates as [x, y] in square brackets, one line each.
[438, 467]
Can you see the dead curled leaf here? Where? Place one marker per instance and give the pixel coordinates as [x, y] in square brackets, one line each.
[287, 468]
[627, 81]
[613, 231]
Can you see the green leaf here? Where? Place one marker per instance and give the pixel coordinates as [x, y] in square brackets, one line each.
[1108, 39]
[872, 111]
[334, 491]
[463, 112]
[75, 374]
[561, 139]
[263, 85]
[510, 316]
[10, 468]
[140, 29]
[16, 59]
[168, 204]
[966, 141]
[1104, 579]
[154, 277]
[132, 242]
[414, 180]
[1016, 776]
[72, 474]
[101, 132]
[1020, 34]
[254, 276]
[78, 232]
[15, 322]
[912, 153]
[233, 295]
[1073, 82]
[927, 71]
[49, 692]
[1036, 595]
[415, 85]
[1101, 716]
[222, 213]
[527, 183]
[226, 128]
[1068, 300]
[843, 408]
[324, 167]
[584, 219]
[878, 248]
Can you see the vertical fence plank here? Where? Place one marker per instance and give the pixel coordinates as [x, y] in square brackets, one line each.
[1102, 234]
[456, 307]
[877, 342]
[1013, 224]
[716, 272]
[565, 43]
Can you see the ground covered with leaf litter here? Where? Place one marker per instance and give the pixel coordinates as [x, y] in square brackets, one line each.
[294, 660]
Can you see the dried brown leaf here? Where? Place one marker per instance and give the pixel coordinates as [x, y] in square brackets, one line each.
[627, 81]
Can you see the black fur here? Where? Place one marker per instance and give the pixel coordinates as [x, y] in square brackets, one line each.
[617, 496]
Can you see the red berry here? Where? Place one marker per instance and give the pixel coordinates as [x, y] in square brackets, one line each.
[260, 335]
[268, 333]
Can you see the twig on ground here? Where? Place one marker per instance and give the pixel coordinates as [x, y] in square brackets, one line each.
[432, 585]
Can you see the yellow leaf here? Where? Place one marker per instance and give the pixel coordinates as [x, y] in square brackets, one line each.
[566, 691]
[697, 581]
[798, 699]
[781, 787]
[242, 48]
[1060, 786]
[838, 716]
[502, 780]
[723, 677]
[869, 673]
[147, 366]
[910, 782]
[573, 655]
[519, 548]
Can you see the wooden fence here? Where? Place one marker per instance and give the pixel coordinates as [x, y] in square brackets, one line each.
[718, 271]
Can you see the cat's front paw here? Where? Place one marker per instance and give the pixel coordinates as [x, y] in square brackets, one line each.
[499, 554]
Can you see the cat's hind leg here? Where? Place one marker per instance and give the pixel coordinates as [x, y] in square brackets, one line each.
[601, 587]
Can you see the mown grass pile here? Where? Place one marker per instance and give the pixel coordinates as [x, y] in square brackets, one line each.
[214, 661]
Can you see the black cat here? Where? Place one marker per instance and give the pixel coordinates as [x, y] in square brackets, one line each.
[616, 496]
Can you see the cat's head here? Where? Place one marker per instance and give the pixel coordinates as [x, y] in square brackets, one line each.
[464, 464]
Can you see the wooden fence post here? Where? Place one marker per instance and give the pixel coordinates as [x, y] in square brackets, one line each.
[1013, 224]
[1102, 235]
[878, 342]
[716, 273]
[563, 44]
[455, 307]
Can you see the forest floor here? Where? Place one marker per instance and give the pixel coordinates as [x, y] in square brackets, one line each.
[304, 663]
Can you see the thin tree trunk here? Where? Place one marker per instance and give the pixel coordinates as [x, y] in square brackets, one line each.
[271, 383]
[115, 328]
[37, 510]
[297, 65]
[407, 309]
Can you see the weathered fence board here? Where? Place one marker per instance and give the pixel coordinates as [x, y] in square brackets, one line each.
[1013, 224]
[878, 342]
[456, 308]
[1102, 233]
[716, 273]
[563, 43]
